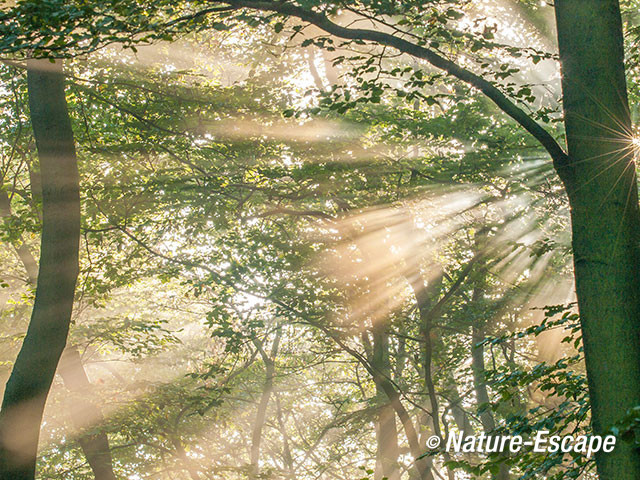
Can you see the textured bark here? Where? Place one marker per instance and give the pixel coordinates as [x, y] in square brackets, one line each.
[600, 179]
[85, 415]
[34, 369]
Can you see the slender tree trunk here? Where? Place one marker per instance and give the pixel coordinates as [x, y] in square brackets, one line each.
[482, 395]
[286, 449]
[601, 183]
[426, 297]
[261, 413]
[86, 415]
[455, 404]
[487, 418]
[422, 467]
[479, 384]
[27, 388]
[94, 445]
[22, 250]
[386, 429]
[422, 464]
[181, 453]
[311, 61]
[330, 70]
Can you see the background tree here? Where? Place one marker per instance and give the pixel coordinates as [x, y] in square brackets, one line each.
[390, 225]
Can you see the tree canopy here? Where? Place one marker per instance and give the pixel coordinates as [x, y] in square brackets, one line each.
[300, 239]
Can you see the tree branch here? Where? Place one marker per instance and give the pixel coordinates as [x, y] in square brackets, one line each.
[556, 152]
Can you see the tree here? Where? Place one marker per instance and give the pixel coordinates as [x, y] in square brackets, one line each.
[600, 179]
[26, 391]
[598, 170]
[599, 174]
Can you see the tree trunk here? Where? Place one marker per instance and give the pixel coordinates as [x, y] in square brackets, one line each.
[85, 415]
[455, 405]
[21, 248]
[600, 179]
[94, 445]
[286, 449]
[181, 453]
[261, 413]
[386, 429]
[482, 395]
[27, 388]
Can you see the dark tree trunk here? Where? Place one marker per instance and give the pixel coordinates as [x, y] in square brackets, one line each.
[27, 388]
[600, 179]
[86, 415]
[94, 445]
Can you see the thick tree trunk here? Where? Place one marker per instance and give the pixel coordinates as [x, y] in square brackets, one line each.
[27, 388]
[600, 179]
[86, 415]
[94, 445]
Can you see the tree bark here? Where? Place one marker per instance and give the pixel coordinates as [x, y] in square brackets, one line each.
[261, 413]
[27, 388]
[94, 445]
[286, 449]
[22, 250]
[386, 429]
[482, 395]
[601, 183]
[85, 415]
